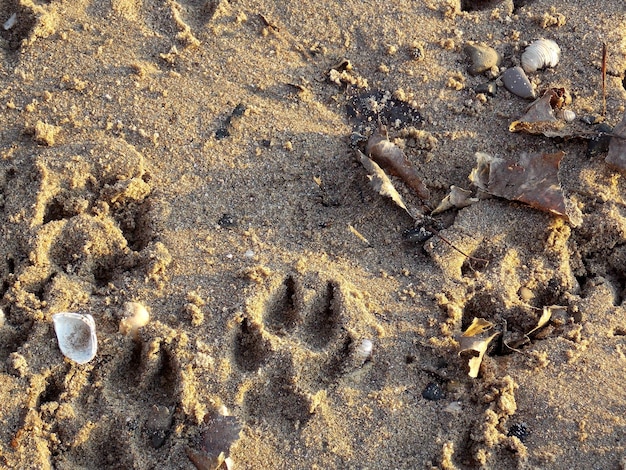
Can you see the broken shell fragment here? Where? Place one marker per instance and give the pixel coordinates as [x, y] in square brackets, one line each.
[76, 334]
[516, 81]
[540, 54]
[136, 316]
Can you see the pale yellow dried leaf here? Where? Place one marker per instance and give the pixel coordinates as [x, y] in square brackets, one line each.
[478, 326]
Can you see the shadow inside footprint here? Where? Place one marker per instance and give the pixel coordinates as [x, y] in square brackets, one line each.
[251, 349]
[278, 400]
[282, 313]
[322, 321]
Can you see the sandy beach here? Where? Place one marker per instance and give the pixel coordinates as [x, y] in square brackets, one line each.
[222, 164]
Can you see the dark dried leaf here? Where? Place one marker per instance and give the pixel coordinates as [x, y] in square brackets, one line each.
[617, 148]
[392, 159]
[533, 180]
[540, 119]
[220, 434]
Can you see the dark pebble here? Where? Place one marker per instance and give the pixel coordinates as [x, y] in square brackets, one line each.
[433, 391]
[516, 81]
[227, 221]
[599, 143]
[489, 88]
[519, 430]
[417, 235]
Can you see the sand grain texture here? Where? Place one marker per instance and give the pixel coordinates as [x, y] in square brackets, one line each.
[194, 157]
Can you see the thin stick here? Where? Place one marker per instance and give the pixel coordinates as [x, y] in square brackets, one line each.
[604, 53]
[443, 239]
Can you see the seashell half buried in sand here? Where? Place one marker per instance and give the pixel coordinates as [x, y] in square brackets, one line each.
[76, 334]
[540, 54]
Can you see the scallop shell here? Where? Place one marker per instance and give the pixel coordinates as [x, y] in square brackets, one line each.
[540, 54]
[76, 334]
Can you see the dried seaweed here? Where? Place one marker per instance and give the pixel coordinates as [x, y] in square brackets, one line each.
[392, 159]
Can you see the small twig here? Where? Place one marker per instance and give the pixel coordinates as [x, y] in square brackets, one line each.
[445, 240]
[604, 54]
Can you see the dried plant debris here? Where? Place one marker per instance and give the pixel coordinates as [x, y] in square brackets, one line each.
[376, 106]
[381, 182]
[533, 179]
[617, 147]
[540, 118]
[391, 158]
[547, 116]
[517, 342]
[474, 341]
[457, 198]
[220, 433]
[545, 317]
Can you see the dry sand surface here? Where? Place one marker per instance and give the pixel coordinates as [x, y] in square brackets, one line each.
[198, 157]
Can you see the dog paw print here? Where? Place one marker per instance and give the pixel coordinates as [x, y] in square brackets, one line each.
[298, 339]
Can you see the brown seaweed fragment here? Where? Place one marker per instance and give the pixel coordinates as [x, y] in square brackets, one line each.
[533, 179]
[617, 147]
[392, 159]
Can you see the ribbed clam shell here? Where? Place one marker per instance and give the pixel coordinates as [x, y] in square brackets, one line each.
[540, 54]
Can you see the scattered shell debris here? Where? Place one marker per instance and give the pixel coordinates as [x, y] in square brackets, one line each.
[540, 54]
[9, 23]
[136, 316]
[76, 334]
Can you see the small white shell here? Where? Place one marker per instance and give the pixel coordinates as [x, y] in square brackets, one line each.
[364, 350]
[76, 334]
[569, 115]
[540, 54]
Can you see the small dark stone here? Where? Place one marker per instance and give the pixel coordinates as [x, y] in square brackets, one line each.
[519, 430]
[417, 235]
[591, 119]
[266, 143]
[489, 88]
[599, 143]
[516, 81]
[433, 391]
[227, 220]
[221, 133]
[239, 110]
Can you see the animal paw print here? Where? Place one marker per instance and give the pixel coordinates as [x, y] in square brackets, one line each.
[298, 341]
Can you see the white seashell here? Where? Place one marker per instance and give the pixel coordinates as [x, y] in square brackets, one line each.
[540, 54]
[364, 350]
[8, 24]
[569, 115]
[136, 317]
[76, 334]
